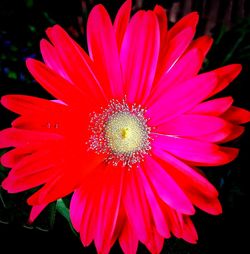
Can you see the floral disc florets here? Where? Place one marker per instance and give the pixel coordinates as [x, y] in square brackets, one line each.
[121, 132]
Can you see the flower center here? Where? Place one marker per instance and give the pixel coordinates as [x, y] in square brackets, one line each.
[121, 132]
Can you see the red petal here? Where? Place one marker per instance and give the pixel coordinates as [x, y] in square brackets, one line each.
[189, 20]
[74, 62]
[225, 76]
[26, 105]
[56, 85]
[237, 115]
[155, 243]
[15, 138]
[203, 44]
[189, 233]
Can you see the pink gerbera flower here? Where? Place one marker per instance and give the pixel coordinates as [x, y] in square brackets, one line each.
[130, 124]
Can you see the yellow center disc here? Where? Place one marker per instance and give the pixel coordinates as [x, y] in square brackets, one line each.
[125, 133]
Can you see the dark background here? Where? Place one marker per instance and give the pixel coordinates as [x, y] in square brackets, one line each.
[22, 25]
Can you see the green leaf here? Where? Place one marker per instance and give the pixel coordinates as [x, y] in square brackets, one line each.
[64, 211]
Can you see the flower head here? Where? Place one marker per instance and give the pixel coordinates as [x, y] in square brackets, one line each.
[131, 123]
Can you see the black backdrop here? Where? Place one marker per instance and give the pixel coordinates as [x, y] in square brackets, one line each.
[22, 25]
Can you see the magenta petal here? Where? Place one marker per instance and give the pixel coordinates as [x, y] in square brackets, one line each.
[166, 187]
[35, 211]
[160, 221]
[103, 51]
[191, 125]
[181, 97]
[139, 55]
[136, 207]
[128, 240]
[213, 107]
[161, 15]
[184, 69]
[197, 152]
[121, 22]
[197, 188]
[77, 205]
[108, 209]
[52, 59]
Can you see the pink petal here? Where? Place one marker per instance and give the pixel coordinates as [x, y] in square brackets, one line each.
[191, 125]
[166, 187]
[128, 240]
[121, 22]
[103, 50]
[160, 221]
[136, 207]
[181, 97]
[237, 115]
[74, 62]
[197, 152]
[225, 76]
[139, 55]
[35, 211]
[213, 107]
